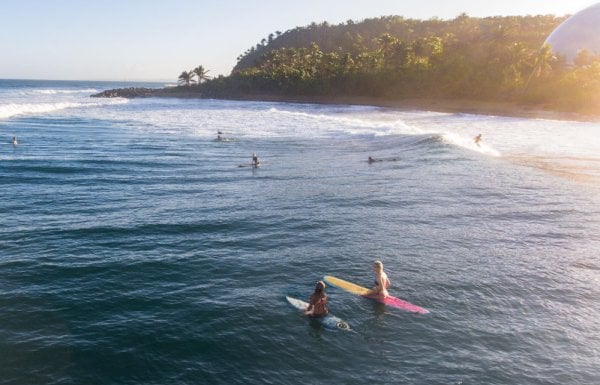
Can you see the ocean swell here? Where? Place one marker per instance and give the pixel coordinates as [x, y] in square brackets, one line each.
[58, 91]
[14, 109]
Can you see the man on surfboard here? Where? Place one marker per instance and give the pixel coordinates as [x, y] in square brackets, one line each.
[382, 282]
[255, 161]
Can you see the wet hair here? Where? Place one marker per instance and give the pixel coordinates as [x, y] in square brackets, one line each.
[379, 265]
[320, 288]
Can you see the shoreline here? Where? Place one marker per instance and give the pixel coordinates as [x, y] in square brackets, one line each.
[457, 106]
[464, 106]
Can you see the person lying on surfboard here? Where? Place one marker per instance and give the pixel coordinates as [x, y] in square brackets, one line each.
[382, 282]
[317, 306]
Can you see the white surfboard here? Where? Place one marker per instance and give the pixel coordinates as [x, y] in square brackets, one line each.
[329, 320]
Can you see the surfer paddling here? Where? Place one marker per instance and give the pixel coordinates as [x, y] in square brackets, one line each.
[317, 306]
[382, 282]
[373, 160]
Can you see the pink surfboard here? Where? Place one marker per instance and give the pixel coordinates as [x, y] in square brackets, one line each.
[363, 291]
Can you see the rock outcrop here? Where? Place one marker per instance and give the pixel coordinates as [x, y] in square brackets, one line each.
[131, 92]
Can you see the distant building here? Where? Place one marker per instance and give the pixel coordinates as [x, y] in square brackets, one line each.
[580, 31]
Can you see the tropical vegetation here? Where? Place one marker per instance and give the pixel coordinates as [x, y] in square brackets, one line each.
[493, 59]
[186, 78]
[201, 74]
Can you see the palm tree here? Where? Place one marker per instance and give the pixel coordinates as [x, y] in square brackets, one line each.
[200, 73]
[186, 78]
[386, 45]
[386, 42]
[542, 63]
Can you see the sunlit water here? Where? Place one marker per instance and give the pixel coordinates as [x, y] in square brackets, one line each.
[135, 250]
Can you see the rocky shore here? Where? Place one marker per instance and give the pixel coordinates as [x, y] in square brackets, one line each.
[131, 92]
[143, 92]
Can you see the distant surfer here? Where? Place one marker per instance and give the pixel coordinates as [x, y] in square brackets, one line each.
[255, 161]
[221, 138]
[382, 282]
[477, 139]
[317, 306]
[14, 141]
[372, 160]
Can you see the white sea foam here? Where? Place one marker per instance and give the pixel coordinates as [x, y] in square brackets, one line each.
[63, 91]
[502, 136]
[469, 143]
[355, 124]
[396, 123]
[14, 109]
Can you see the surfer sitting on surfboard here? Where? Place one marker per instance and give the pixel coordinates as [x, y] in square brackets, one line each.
[382, 282]
[317, 306]
[255, 161]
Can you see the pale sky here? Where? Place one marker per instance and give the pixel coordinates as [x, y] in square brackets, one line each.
[157, 39]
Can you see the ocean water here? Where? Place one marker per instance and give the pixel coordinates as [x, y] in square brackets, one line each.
[134, 249]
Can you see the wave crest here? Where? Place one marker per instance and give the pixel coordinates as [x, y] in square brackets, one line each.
[62, 91]
[356, 125]
[13, 109]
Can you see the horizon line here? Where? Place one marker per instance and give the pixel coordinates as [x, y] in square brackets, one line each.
[93, 80]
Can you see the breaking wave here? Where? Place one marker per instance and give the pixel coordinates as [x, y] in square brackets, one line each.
[14, 109]
[388, 125]
[61, 91]
[469, 144]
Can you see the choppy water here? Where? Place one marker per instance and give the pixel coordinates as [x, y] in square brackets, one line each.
[134, 250]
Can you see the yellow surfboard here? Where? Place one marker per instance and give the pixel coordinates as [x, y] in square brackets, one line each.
[345, 285]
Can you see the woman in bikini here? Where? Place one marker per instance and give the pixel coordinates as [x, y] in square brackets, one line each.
[382, 282]
[317, 306]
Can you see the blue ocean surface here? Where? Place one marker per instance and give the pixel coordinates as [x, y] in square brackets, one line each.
[135, 248]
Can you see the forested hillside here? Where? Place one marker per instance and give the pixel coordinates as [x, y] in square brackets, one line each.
[495, 59]
[357, 37]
